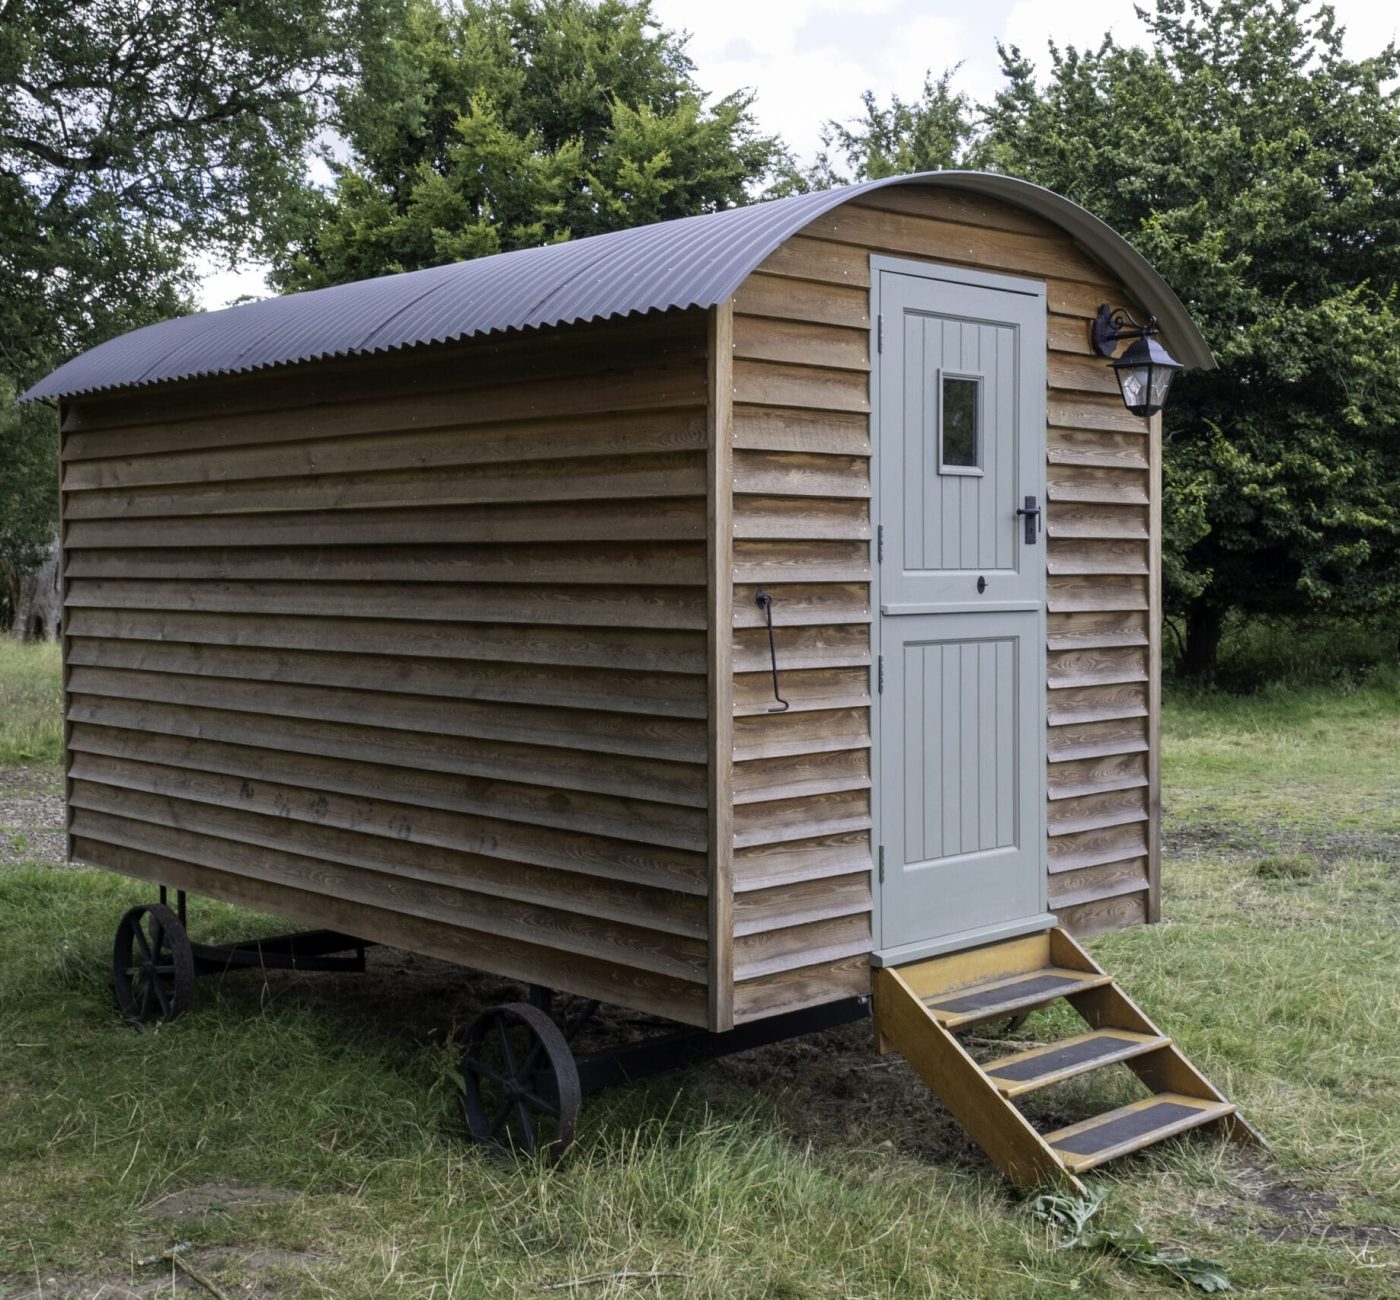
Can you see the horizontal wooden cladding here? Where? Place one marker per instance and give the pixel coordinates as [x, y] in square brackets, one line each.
[1095, 811]
[656, 695]
[1096, 703]
[413, 769]
[1089, 884]
[797, 604]
[776, 428]
[609, 648]
[676, 563]
[416, 807]
[1065, 593]
[801, 343]
[1095, 520]
[211, 840]
[637, 607]
[1123, 487]
[762, 910]
[1072, 777]
[655, 520]
[1089, 411]
[606, 478]
[1097, 449]
[803, 818]
[397, 840]
[1094, 739]
[1096, 555]
[1081, 374]
[1086, 629]
[780, 297]
[1113, 842]
[772, 735]
[788, 862]
[811, 518]
[396, 449]
[792, 473]
[1097, 666]
[772, 383]
[654, 362]
[804, 689]
[463, 737]
[822, 772]
[962, 240]
[805, 561]
[820, 646]
[615, 982]
[1116, 912]
[803, 986]
[775, 951]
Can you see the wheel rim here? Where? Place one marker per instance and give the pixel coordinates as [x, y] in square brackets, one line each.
[520, 1089]
[152, 966]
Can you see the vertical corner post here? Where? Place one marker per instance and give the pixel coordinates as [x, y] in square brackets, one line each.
[719, 568]
[1154, 672]
[65, 641]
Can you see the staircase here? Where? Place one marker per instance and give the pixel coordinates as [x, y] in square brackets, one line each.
[921, 1008]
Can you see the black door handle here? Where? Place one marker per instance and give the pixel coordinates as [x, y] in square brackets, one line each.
[1031, 512]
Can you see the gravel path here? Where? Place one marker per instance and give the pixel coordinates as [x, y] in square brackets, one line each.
[31, 816]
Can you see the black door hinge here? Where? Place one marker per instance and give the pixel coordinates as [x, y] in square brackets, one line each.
[880, 332]
[880, 544]
[880, 676]
[881, 859]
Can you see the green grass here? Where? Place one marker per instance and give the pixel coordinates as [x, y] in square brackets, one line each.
[812, 1169]
[31, 729]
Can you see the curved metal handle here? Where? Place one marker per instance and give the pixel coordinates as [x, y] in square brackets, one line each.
[765, 602]
[1031, 512]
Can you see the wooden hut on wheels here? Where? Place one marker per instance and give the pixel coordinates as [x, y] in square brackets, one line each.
[725, 619]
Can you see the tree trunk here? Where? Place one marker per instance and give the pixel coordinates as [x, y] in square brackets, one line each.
[1205, 625]
[38, 609]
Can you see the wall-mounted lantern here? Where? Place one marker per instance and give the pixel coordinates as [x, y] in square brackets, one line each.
[1146, 370]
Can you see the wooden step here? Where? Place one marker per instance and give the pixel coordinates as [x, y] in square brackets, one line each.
[1039, 1067]
[1130, 1128]
[1008, 995]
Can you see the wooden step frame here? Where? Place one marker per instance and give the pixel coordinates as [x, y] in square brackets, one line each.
[905, 1022]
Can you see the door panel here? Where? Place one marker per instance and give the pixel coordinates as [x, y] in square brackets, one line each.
[960, 444]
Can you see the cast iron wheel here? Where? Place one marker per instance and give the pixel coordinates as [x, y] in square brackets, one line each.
[152, 965]
[520, 1086]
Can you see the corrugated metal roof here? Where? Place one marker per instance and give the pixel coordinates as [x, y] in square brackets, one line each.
[690, 262]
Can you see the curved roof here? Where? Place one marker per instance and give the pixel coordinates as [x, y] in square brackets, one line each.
[690, 262]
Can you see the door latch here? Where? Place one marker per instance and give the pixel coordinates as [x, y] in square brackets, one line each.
[1031, 512]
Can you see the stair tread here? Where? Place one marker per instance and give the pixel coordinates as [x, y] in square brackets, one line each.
[1005, 994]
[1038, 1067]
[1093, 1141]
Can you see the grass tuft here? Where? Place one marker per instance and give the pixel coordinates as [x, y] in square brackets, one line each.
[31, 703]
[1287, 866]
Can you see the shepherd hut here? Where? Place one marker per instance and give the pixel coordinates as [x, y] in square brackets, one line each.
[714, 618]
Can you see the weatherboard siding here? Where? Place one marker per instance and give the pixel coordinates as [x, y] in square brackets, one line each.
[415, 648]
[802, 531]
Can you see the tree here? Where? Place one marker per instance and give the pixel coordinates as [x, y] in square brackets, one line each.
[134, 133]
[1259, 169]
[502, 124]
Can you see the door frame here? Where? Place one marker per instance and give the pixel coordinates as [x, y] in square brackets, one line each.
[879, 956]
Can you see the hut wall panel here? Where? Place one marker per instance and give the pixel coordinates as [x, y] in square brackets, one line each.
[418, 649]
[802, 388]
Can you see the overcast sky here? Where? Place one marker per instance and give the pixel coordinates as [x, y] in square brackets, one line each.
[809, 60]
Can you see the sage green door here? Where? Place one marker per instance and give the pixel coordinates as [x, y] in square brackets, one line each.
[959, 432]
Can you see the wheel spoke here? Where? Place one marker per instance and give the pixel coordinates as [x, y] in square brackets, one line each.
[527, 1126]
[139, 934]
[540, 1104]
[501, 1116]
[486, 1072]
[165, 998]
[145, 999]
[505, 1047]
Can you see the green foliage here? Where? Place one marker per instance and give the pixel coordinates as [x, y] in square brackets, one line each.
[1071, 1216]
[131, 135]
[1259, 169]
[935, 131]
[31, 703]
[504, 124]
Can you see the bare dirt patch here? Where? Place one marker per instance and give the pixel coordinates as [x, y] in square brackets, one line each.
[216, 1198]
